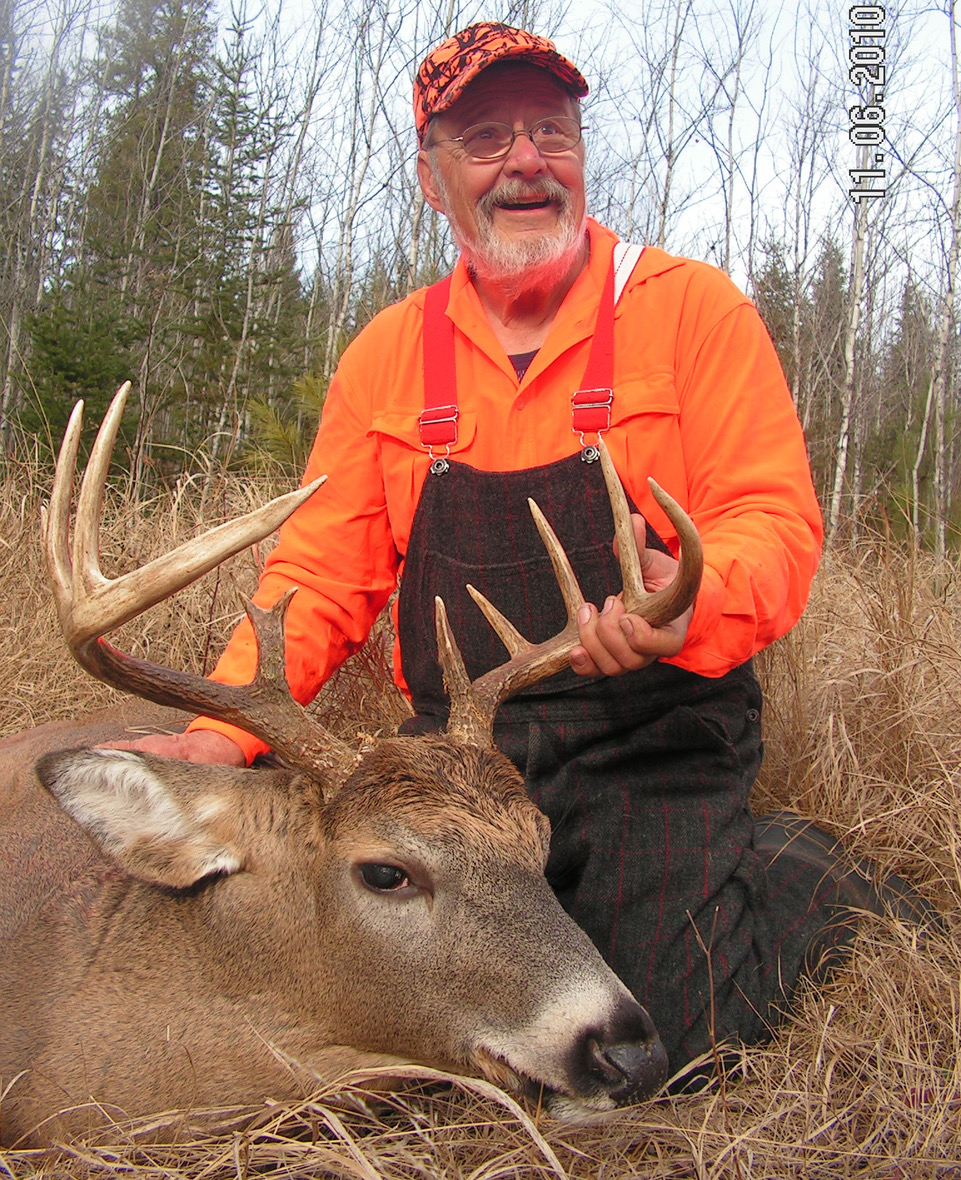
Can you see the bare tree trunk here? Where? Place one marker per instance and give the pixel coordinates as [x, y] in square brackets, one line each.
[850, 326]
[682, 10]
[369, 58]
[30, 123]
[136, 257]
[947, 311]
[743, 26]
[413, 253]
[11, 365]
[916, 467]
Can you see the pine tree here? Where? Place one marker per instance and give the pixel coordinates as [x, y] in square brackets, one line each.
[140, 244]
[249, 318]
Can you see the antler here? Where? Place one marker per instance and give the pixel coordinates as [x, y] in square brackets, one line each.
[91, 605]
[473, 705]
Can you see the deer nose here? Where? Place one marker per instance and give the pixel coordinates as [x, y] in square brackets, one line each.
[628, 1058]
[632, 1072]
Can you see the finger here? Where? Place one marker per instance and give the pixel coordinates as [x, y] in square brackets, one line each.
[606, 650]
[653, 642]
[625, 638]
[582, 663]
[658, 569]
[167, 745]
[203, 746]
[581, 659]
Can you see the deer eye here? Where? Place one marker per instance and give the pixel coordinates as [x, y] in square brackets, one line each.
[384, 878]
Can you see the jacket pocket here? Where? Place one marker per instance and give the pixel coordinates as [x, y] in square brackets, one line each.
[405, 462]
[652, 392]
[646, 431]
[399, 429]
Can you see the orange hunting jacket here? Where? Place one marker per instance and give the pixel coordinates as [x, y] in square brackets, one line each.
[700, 403]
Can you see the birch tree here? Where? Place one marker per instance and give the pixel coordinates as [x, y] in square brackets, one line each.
[38, 81]
[947, 311]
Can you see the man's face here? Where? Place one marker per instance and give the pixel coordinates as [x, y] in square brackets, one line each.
[522, 215]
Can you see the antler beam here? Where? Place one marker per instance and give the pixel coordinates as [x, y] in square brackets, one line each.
[90, 605]
[473, 705]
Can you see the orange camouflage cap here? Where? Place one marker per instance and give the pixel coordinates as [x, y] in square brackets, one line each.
[455, 63]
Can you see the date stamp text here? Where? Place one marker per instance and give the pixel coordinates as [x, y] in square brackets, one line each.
[868, 72]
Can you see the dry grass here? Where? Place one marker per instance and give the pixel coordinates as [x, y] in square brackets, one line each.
[39, 680]
[863, 733]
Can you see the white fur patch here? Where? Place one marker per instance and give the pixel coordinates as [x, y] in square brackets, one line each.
[593, 1112]
[124, 804]
[221, 861]
[540, 1049]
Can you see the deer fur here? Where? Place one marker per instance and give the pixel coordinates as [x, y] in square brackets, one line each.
[187, 937]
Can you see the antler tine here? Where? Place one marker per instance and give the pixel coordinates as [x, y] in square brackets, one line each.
[86, 539]
[508, 634]
[530, 663]
[90, 605]
[264, 707]
[567, 582]
[661, 606]
[55, 518]
[465, 720]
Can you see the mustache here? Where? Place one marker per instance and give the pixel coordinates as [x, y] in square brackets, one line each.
[513, 192]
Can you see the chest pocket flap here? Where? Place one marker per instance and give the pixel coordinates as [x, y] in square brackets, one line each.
[399, 428]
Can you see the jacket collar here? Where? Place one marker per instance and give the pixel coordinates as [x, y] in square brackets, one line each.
[576, 316]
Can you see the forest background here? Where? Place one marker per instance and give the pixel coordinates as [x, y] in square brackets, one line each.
[213, 198]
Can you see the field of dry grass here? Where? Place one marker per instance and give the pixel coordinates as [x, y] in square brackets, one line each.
[863, 732]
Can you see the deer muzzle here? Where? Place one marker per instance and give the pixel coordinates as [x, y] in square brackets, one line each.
[627, 1061]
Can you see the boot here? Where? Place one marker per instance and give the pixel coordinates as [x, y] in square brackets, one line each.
[853, 885]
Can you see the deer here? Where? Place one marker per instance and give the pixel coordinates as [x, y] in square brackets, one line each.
[186, 937]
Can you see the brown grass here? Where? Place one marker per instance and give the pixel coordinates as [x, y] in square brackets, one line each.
[862, 732]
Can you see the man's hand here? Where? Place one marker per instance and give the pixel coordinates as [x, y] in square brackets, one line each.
[202, 745]
[613, 641]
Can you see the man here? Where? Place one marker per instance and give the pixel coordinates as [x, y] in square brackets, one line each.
[450, 409]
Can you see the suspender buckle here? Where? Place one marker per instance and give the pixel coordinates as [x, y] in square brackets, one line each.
[591, 414]
[438, 428]
[438, 425]
[591, 410]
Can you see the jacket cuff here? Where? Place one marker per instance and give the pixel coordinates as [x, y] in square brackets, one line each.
[708, 608]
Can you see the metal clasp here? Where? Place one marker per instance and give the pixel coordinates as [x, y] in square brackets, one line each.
[602, 400]
[436, 416]
[591, 414]
[438, 426]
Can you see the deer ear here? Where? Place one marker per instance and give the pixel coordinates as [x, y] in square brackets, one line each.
[164, 822]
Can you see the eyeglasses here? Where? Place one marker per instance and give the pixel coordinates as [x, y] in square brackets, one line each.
[492, 141]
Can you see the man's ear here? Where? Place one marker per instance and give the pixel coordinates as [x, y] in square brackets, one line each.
[428, 186]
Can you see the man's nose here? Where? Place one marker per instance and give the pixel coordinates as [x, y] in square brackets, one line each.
[523, 156]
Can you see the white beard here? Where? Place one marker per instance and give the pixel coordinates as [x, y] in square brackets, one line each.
[532, 262]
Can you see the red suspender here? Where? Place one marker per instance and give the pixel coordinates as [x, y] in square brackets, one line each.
[438, 419]
[590, 405]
